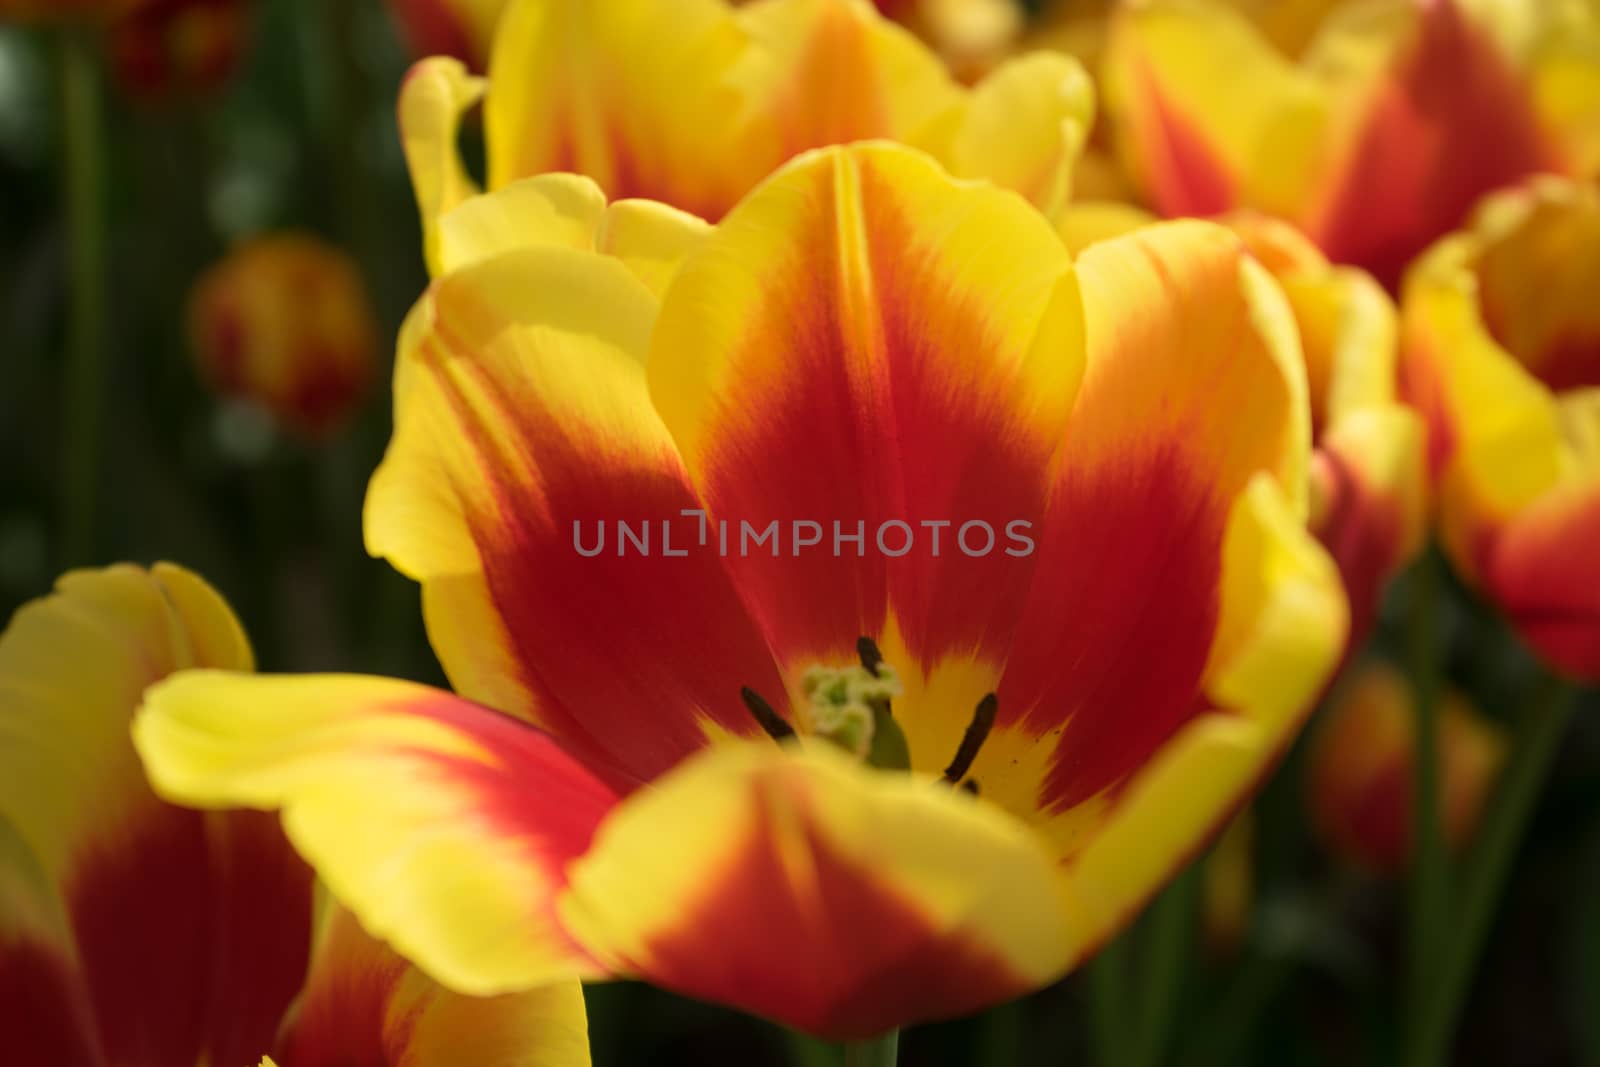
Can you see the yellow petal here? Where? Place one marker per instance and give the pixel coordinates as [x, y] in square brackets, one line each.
[435, 95]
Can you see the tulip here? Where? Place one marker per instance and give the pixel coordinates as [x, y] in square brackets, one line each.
[1397, 117]
[846, 785]
[174, 48]
[1228, 887]
[1502, 356]
[693, 103]
[463, 29]
[1362, 761]
[1368, 484]
[137, 932]
[285, 321]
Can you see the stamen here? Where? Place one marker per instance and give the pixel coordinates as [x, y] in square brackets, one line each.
[973, 739]
[871, 658]
[762, 712]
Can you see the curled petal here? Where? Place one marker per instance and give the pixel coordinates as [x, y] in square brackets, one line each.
[887, 899]
[436, 93]
[445, 826]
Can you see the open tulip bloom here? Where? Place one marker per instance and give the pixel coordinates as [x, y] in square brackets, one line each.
[1378, 138]
[838, 777]
[134, 932]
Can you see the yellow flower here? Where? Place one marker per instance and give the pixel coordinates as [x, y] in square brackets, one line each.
[285, 321]
[1375, 140]
[133, 931]
[1054, 715]
[1363, 757]
[1502, 355]
[694, 102]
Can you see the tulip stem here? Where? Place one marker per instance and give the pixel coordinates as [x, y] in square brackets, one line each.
[84, 208]
[1166, 959]
[1488, 868]
[1430, 885]
[1108, 1003]
[878, 1052]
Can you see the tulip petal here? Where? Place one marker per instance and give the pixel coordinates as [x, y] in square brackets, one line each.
[1415, 163]
[436, 93]
[1125, 603]
[864, 341]
[1023, 127]
[1281, 631]
[1208, 114]
[364, 1004]
[445, 826]
[569, 211]
[630, 93]
[523, 433]
[148, 889]
[836, 899]
[1544, 571]
[44, 1008]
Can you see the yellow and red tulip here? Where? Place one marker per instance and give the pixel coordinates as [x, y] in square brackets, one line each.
[174, 48]
[1396, 118]
[1362, 762]
[133, 931]
[694, 102]
[1502, 356]
[463, 29]
[285, 321]
[862, 339]
[1368, 483]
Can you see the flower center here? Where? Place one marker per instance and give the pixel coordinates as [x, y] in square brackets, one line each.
[851, 707]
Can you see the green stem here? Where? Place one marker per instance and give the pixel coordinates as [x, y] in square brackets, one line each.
[83, 192]
[1226, 1037]
[1108, 1003]
[1165, 965]
[879, 1052]
[1484, 879]
[1430, 886]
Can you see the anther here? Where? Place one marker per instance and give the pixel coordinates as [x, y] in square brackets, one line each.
[977, 732]
[762, 712]
[871, 658]
[970, 786]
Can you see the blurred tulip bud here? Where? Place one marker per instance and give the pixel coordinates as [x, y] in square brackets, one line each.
[460, 28]
[1362, 763]
[285, 321]
[165, 49]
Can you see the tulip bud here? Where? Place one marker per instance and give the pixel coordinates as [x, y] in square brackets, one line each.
[460, 28]
[1362, 761]
[285, 321]
[174, 48]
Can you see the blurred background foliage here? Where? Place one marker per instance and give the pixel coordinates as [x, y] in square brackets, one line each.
[303, 138]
